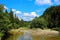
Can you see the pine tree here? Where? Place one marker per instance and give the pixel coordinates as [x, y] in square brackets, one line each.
[11, 18]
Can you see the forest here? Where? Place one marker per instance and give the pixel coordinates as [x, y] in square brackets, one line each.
[49, 20]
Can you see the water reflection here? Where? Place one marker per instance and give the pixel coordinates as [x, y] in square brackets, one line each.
[25, 36]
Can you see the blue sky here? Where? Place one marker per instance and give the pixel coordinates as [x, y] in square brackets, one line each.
[28, 9]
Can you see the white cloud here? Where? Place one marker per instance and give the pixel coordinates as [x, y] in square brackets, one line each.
[16, 11]
[43, 2]
[33, 14]
[47, 2]
[25, 19]
[26, 14]
[5, 7]
[29, 16]
[13, 10]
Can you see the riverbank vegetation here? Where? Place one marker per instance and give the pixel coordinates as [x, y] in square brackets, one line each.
[8, 20]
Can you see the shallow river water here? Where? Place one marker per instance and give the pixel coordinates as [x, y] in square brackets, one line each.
[28, 36]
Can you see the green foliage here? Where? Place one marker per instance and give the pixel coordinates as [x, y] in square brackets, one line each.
[1, 34]
[1, 7]
[39, 23]
[8, 21]
[49, 19]
[52, 15]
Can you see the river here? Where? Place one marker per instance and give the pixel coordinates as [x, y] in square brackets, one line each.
[35, 35]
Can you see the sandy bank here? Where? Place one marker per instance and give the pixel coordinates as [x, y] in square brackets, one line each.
[38, 32]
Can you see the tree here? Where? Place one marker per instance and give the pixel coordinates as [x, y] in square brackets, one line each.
[1, 7]
[52, 15]
[38, 23]
[16, 22]
[22, 24]
[11, 19]
[8, 21]
[4, 21]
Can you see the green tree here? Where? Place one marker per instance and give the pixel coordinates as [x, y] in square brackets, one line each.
[1, 7]
[22, 23]
[38, 23]
[4, 21]
[11, 17]
[52, 15]
[16, 22]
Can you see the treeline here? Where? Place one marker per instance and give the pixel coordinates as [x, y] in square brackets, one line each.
[50, 19]
[8, 21]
